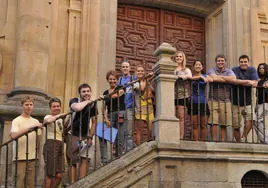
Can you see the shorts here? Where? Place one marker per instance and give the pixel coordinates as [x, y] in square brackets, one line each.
[202, 110]
[72, 150]
[244, 111]
[53, 150]
[180, 102]
[220, 113]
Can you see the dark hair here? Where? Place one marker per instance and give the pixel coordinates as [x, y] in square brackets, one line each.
[111, 72]
[83, 86]
[198, 61]
[54, 100]
[201, 64]
[220, 56]
[244, 57]
[265, 70]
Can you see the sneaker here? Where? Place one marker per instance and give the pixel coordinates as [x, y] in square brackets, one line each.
[243, 140]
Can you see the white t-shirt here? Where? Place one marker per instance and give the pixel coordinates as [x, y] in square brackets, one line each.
[22, 123]
[50, 129]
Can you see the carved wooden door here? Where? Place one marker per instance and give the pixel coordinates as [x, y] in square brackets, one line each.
[140, 30]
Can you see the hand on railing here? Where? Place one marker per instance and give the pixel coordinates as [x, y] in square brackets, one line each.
[89, 142]
[37, 125]
[265, 85]
[253, 83]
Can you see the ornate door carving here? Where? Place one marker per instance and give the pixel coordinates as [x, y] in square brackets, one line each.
[137, 35]
[140, 30]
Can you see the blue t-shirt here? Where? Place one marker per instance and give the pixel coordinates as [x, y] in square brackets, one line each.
[244, 92]
[128, 93]
[199, 91]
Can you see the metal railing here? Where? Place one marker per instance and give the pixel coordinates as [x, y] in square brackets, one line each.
[221, 112]
[202, 106]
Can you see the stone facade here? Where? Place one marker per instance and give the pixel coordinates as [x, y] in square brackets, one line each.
[48, 48]
[185, 165]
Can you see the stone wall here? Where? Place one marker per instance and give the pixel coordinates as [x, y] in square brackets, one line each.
[74, 41]
[185, 165]
[236, 28]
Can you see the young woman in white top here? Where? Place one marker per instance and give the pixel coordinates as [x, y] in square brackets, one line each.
[182, 92]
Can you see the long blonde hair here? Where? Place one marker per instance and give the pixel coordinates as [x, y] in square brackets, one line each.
[184, 62]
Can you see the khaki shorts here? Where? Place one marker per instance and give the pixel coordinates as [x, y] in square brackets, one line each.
[220, 113]
[244, 112]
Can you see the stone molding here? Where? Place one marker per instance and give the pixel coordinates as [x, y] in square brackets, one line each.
[155, 159]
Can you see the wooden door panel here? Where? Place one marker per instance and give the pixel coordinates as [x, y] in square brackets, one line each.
[185, 32]
[140, 30]
[137, 36]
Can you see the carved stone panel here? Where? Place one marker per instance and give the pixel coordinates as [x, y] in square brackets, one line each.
[140, 30]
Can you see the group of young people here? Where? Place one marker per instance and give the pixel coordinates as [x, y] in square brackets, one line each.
[221, 98]
[128, 105]
[79, 128]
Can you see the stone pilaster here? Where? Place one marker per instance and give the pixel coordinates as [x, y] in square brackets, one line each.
[166, 125]
[32, 55]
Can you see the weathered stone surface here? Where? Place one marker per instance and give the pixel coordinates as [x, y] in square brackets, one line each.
[185, 164]
[56, 45]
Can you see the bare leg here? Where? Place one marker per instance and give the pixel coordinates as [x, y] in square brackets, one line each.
[180, 115]
[203, 131]
[150, 129]
[195, 127]
[83, 168]
[57, 180]
[138, 133]
[72, 173]
[237, 135]
[214, 132]
[247, 128]
[48, 182]
[223, 133]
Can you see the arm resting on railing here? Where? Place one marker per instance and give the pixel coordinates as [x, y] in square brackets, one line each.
[22, 131]
[52, 119]
[77, 107]
[252, 83]
[223, 79]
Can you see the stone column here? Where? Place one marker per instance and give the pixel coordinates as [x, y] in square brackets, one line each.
[32, 54]
[32, 44]
[166, 125]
